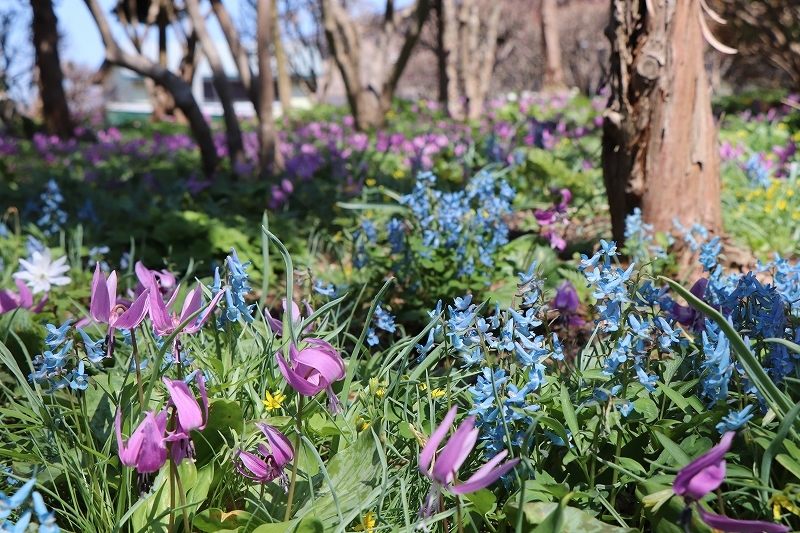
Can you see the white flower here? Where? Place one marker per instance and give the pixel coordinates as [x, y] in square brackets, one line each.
[40, 272]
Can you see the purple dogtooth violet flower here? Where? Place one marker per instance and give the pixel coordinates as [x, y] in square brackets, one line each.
[450, 459]
[277, 325]
[105, 310]
[567, 303]
[165, 323]
[146, 449]
[704, 475]
[277, 453]
[167, 283]
[10, 300]
[190, 416]
[313, 369]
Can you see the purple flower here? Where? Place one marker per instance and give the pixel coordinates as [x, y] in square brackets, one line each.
[314, 369]
[105, 310]
[704, 475]
[452, 456]
[687, 315]
[190, 416]
[166, 324]
[166, 281]
[567, 303]
[277, 326]
[277, 454]
[10, 300]
[146, 449]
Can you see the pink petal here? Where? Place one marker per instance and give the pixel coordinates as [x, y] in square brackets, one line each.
[275, 325]
[143, 273]
[426, 456]
[7, 303]
[190, 416]
[100, 305]
[712, 458]
[723, 523]
[193, 302]
[257, 468]
[111, 283]
[135, 314]
[25, 295]
[297, 382]
[281, 448]
[159, 314]
[194, 328]
[455, 452]
[486, 478]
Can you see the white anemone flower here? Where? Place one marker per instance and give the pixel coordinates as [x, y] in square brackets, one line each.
[40, 272]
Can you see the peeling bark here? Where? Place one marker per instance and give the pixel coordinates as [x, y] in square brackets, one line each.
[660, 148]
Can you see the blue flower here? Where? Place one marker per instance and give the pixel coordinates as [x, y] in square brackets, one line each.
[735, 421]
[329, 290]
[95, 350]
[47, 519]
[79, 379]
[56, 336]
[383, 320]
[8, 504]
[372, 338]
[625, 408]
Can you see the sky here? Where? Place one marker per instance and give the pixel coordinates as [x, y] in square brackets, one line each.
[81, 42]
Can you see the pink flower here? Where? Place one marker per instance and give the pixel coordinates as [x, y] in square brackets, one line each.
[277, 454]
[189, 414]
[277, 326]
[314, 369]
[105, 310]
[165, 323]
[166, 281]
[10, 300]
[452, 456]
[146, 449]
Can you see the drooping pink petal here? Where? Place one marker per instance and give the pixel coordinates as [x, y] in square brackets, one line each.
[296, 381]
[100, 305]
[135, 314]
[456, 450]
[159, 314]
[426, 456]
[111, 285]
[7, 303]
[723, 523]
[281, 448]
[190, 415]
[194, 328]
[486, 475]
[25, 295]
[253, 467]
[146, 449]
[193, 302]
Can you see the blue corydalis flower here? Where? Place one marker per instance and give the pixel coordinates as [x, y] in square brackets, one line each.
[735, 420]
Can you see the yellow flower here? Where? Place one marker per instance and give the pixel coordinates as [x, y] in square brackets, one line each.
[389, 114]
[742, 208]
[371, 182]
[796, 137]
[398, 173]
[782, 501]
[768, 208]
[274, 402]
[361, 424]
[377, 388]
[796, 215]
[367, 523]
[781, 204]
[782, 126]
[422, 386]
[437, 393]
[790, 192]
[741, 134]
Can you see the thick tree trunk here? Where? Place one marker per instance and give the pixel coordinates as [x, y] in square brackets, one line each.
[269, 154]
[239, 53]
[178, 88]
[659, 140]
[221, 85]
[371, 101]
[551, 47]
[45, 40]
[447, 41]
[284, 81]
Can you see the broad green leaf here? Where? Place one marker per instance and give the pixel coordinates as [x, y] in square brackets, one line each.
[541, 517]
[664, 518]
[647, 408]
[484, 500]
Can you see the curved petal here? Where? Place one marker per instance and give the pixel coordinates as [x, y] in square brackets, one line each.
[487, 478]
[723, 523]
[193, 302]
[280, 447]
[194, 328]
[298, 383]
[136, 313]
[712, 458]
[111, 284]
[190, 415]
[159, 314]
[309, 312]
[7, 303]
[707, 480]
[328, 365]
[100, 305]
[153, 452]
[426, 455]
[40, 305]
[455, 452]
[143, 274]
[275, 325]
[252, 466]
[25, 295]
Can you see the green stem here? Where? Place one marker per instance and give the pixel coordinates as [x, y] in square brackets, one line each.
[182, 496]
[298, 430]
[458, 511]
[138, 370]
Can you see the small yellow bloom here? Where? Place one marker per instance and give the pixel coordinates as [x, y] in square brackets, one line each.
[367, 523]
[422, 386]
[742, 209]
[796, 215]
[790, 192]
[371, 182]
[782, 126]
[796, 137]
[437, 393]
[361, 424]
[398, 173]
[768, 208]
[781, 204]
[741, 134]
[782, 501]
[274, 401]
[389, 114]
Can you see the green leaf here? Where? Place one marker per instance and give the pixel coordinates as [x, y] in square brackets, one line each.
[664, 518]
[680, 456]
[675, 397]
[647, 408]
[223, 416]
[484, 500]
[543, 517]
[570, 417]
[775, 443]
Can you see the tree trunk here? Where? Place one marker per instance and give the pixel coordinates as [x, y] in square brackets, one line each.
[179, 89]
[447, 43]
[45, 40]
[659, 140]
[269, 154]
[221, 85]
[551, 47]
[284, 81]
[486, 63]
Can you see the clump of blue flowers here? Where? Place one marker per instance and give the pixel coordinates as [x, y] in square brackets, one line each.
[26, 497]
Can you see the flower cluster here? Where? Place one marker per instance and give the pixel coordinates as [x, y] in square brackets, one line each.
[8, 504]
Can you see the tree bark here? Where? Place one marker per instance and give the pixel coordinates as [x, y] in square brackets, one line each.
[239, 53]
[269, 154]
[221, 85]
[551, 47]
[179, 89]
[447, 42]
[659, 140]
[284, 81]
[370, 101]
[57, 120]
